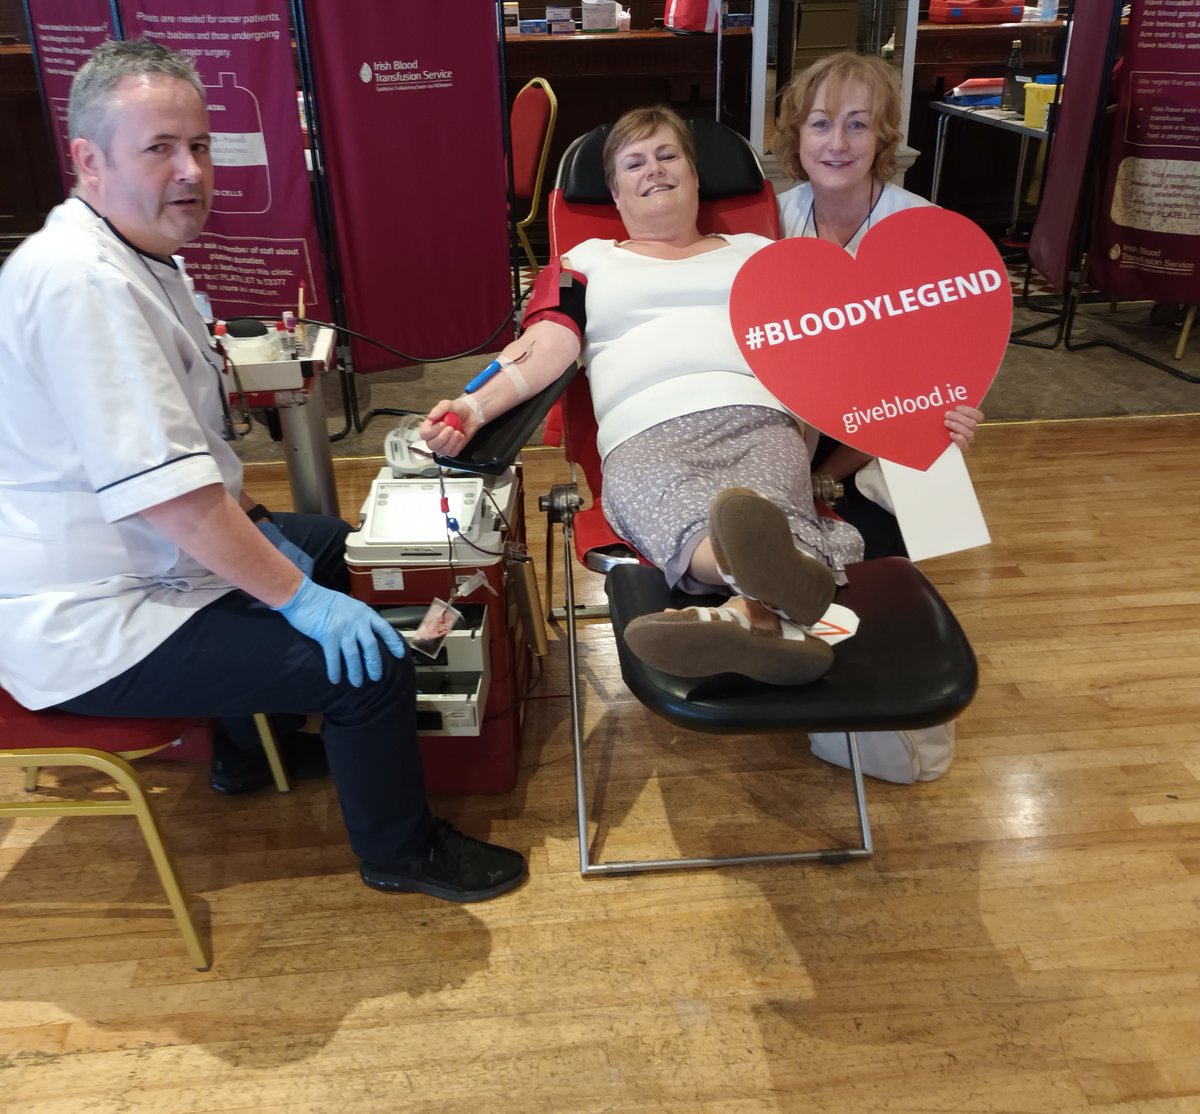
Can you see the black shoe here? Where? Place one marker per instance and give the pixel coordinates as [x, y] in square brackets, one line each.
[236, 771]
[452, 866]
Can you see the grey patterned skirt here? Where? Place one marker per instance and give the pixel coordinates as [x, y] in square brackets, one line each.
[658, 484]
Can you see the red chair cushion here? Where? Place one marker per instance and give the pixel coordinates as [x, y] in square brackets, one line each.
[21, 729]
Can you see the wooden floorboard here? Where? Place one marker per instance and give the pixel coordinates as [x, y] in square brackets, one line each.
[1026, 938]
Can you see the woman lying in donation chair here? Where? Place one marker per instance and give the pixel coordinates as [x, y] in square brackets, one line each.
[837, 134]
[705, 472]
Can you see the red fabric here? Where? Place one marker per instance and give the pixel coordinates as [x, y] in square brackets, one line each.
[21, 729]
[691, 15]
[552, 431]
[529, 120]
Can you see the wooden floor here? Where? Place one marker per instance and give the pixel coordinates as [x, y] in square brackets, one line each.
[1026, 938]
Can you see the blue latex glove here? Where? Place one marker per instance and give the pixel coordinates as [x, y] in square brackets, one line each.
[290, 550]
[345, 627]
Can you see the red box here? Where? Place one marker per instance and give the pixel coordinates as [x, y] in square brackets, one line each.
[975, 11]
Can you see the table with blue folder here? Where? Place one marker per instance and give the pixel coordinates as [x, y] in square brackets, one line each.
[994, 118]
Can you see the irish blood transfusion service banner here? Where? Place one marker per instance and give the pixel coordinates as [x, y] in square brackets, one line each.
[409, 98]
[1147, 237]
[260, 243]
[64, 33]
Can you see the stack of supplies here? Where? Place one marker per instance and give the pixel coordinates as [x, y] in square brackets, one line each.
[977, 91]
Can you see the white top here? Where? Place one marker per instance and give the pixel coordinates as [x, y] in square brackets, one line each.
[111, 405]
[796, 215]
[658, 343]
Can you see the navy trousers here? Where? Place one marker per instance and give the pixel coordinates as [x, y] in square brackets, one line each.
[237, 657]
[879, 528]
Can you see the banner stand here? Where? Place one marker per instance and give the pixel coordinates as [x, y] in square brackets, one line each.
[1063, 319]
[324, 216]
[353, 418]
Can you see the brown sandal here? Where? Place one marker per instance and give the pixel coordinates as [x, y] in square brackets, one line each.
[756, 554]
[701, 641]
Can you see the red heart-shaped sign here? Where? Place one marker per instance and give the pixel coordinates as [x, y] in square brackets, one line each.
[874, 350]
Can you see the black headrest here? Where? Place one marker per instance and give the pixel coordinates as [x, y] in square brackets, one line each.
[724, 160]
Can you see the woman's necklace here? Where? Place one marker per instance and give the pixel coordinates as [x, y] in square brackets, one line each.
[865, 222]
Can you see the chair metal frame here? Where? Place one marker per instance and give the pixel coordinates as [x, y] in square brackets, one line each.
[116, 764]
[565, 503]
[136, 803]
[542, 86]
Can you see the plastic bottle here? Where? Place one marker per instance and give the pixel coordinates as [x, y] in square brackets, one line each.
[291, 339]
[1047, 10]
[1012, 96]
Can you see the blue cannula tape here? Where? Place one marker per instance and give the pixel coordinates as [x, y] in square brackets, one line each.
[482, 377]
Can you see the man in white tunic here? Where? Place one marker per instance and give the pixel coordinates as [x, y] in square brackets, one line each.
[137, 577]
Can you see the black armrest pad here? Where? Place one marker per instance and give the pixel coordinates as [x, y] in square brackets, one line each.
[497, 444]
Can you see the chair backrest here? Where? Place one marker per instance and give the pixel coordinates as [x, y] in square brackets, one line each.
[735, 196]
[531, 124]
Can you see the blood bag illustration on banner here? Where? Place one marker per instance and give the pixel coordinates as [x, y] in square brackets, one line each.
[242, 178]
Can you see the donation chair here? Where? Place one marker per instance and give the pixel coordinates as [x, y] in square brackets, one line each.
[908, 666]
[31, 740]
[531, 125]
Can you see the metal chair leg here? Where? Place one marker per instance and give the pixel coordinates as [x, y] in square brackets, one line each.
[266, 735]
[1187, 328]
[528, 249]
[589, 869]
[136, 804]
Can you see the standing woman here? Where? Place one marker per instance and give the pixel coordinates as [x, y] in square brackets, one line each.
[838, 130]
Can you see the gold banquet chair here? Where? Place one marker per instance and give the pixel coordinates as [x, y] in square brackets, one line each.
[531, 125]
[32, 740]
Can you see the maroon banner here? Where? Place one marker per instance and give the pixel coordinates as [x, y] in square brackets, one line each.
[408, 97]
[1053, 243]
[260, 243]
[1147, 237]
[64, 33]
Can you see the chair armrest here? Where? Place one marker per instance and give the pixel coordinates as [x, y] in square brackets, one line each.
[500, 441]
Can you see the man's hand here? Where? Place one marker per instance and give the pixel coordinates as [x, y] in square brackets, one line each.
[347, 630]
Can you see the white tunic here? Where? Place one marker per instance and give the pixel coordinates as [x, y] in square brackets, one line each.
[658, 343]
[110, 404]
[796, 215]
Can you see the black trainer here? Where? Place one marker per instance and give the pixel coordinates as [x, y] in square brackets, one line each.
[452, 866]
[235, 771]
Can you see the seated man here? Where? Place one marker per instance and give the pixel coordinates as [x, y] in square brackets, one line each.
[134, 581]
